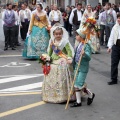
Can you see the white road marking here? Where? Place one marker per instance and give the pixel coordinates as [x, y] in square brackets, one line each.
[15, 64]
[1, 56]
[18, 78]
[34, 87]
[23, 88]
[21, 75]
[11, 92]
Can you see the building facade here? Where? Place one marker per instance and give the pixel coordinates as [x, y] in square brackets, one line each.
[62, 3]
[111, 1]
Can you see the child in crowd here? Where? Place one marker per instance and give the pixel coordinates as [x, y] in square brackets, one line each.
[57, 83]
[83, 68]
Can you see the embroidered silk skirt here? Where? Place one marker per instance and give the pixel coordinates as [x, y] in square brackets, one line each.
[57, 84]
[95, 44]
[36, 43]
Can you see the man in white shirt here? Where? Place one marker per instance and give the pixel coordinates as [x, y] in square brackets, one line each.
[102, 23]
[24, 17]
[17, 23]
[75, 17]
[114, 45]
[55, 16]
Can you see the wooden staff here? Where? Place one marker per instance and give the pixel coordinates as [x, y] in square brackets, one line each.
[75, 76]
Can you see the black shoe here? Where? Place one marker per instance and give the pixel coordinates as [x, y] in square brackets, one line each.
[13, 49]
[112, 82]
[90, 100]
[18, 44]
[75, 104]
[106, 46]
[6, 48]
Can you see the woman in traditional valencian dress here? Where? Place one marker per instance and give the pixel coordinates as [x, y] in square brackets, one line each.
[94, 39]
[37, 41]
[57, 83]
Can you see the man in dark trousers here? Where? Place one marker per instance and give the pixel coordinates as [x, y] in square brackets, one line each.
[25, 16]
[75, 18]
[9, 19]
[114, 45]
[110, 21]
[15, 8]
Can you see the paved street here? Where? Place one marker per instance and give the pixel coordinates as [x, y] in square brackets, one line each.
[20, 90]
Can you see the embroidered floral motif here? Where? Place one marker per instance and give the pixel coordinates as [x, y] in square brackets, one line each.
[57, 84]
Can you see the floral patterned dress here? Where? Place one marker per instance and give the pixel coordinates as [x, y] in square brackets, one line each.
[57, 84]
[94, 39]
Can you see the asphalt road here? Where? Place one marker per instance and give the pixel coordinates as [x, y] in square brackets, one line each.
[20, 90]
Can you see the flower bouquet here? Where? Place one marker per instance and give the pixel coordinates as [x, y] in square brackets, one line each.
[45, 60]
[91, 27]
[90, 22]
